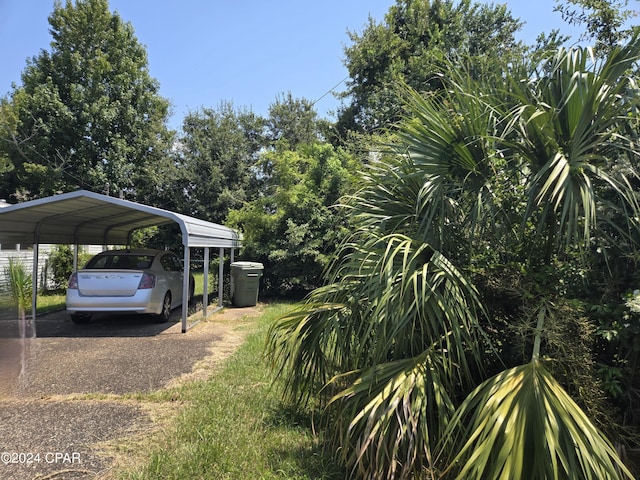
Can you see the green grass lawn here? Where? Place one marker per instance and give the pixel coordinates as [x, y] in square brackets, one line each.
[47, 302]
[50, 302]
[234, 426]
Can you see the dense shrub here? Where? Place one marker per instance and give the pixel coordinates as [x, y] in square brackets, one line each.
[59, 265]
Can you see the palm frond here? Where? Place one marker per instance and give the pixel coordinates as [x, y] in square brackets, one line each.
[389, 299]
[298, 345]
[415, 297]
[522, 424]
[452, 140]
[571, 137]
[397, 413]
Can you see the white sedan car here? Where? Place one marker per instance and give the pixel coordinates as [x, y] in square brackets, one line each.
[136, 281]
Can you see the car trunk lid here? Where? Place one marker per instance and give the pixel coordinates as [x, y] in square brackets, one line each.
[111, 283]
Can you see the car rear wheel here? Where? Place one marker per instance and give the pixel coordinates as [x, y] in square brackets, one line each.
[165, 313]
[80, 318]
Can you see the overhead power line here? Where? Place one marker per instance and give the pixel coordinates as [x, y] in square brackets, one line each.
[331, 90]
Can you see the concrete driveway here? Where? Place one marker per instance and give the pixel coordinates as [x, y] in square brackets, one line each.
[61, 392]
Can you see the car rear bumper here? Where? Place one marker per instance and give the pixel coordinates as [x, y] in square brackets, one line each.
[141, 302]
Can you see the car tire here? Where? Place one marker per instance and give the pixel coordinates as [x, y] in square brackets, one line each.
[165, 313]
[80, 318]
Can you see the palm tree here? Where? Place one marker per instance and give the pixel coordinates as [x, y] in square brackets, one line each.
[399, 346]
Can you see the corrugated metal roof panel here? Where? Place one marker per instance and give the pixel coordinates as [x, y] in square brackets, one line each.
[89, 218]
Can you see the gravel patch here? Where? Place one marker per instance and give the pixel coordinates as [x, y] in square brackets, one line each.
[56, 439]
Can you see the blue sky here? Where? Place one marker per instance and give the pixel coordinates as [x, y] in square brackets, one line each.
[204, 52]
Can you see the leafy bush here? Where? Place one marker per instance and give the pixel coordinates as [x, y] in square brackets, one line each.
[59, 265]
[293, 229]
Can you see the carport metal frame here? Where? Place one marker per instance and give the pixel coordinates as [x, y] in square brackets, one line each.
[87, 218]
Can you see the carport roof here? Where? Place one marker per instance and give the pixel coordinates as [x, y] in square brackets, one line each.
[88, 218]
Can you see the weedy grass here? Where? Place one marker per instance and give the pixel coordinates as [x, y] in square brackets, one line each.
[234, 425]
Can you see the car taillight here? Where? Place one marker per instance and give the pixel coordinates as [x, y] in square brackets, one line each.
[148, 280]
[73, 282]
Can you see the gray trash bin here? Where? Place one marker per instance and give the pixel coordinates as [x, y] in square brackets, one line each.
[245, 283]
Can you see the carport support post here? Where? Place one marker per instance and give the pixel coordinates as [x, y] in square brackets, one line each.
[220, 275]
[75, 256]
[205, 288]
[231, 285]
[185, 289]
[34, 283]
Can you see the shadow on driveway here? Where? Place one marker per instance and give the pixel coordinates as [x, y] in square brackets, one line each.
[104, 325]
[112, 354]
[59, 324]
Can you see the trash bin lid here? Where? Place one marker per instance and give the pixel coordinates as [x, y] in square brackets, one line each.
[247, 265]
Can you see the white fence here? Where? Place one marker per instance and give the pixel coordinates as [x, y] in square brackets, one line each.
[25, 255]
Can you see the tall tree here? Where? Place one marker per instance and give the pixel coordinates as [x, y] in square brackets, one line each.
[292, 120]
[410, 46]
[291, 227]
[603, 20]
[218, 152]
[7, 129]
[88, 114]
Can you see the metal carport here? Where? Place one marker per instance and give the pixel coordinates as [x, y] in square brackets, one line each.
[87, 218]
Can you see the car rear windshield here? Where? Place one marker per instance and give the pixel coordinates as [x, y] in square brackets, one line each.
[124, 261]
